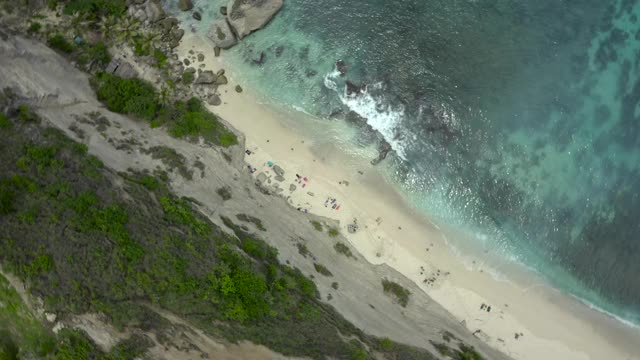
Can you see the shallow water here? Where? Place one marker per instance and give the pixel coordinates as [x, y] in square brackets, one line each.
[515, 120]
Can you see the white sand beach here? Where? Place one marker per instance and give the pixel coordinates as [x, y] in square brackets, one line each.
[548, 324]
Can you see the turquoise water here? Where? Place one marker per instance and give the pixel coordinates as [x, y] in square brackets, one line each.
[518, 121]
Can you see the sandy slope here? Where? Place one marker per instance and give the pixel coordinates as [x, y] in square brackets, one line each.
[553, 326]
[58, 92]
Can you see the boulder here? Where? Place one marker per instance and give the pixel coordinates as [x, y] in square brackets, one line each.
[238, 88]
[216, 51]
[206, 77]
[214, 100]
[200, 57]
[221, 80]
[120, 68]
[185, 5]
[221, 35]
[278, 170]
[292, 187]
[168, 24]
[341, 66]
[279, 178]
[246, 16]
[177, 35]
[220, 72]
[196, 15]
[154, 11]
[261, 178]
[223, 10]
[353, 89]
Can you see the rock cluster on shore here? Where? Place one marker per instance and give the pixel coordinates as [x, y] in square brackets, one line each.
[241, 18]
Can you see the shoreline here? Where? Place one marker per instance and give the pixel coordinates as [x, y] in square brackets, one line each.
[570, 330]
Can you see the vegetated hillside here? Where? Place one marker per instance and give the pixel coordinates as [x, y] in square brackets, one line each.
[86, 239]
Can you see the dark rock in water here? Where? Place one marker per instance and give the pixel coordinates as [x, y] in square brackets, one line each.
[335, 113]
[261, 60]
[185, 5]
[206, 77]
[341, 66]
[196, 15]
[279, 51]
[311, 73]
[223, 10]
[238, 88]
[354, 118]
[216, 51]
[353, 89]
[247, 16]
[383, 151]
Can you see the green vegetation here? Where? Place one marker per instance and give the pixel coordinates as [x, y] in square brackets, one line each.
[224, 192]
[188, 77]
[333, 232]
[94, 9]
[172, 159]
[96, 53]
[5, 123]
[111, 243]
[130, 96]
[138, 98]
[58, 42]
[26, 115]
[252, 219]
[302, 249]
[400, 293]
[316, 225]
[465, 352]
[34, 27]
[343, 249]
[322, 269]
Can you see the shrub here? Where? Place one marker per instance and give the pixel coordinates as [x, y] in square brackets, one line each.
[333, 232]
[131, 96]
[343, 249]
[97, 53]
[26, 115]
[93, 9]
[58, 42]
[224, 192]
[322, 269]
[34, 27]
[5, 123]
[188, 77]
[401, 294]
[316, 225]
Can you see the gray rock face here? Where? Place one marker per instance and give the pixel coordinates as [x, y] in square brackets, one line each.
[279, 178]
[122, 69]
[206, 77]
[221, 80]
[185, 5]
[246, 16]
[214, 100]
[221, 35]
[154, 11]
[278, 170]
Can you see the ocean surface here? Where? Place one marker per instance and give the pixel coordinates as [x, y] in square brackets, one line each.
[516, 121]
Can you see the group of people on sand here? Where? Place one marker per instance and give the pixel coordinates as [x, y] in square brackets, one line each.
[333, 202]
[485, 307]
[301, 180]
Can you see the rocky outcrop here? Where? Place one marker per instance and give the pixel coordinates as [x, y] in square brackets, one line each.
[247, 16]
[185, 5]
[121, 68]
[154, 11]
[206, 77]
[221, 34]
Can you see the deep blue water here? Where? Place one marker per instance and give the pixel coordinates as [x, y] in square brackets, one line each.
[516, 120]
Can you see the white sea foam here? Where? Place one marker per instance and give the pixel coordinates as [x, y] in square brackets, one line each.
[381, 117]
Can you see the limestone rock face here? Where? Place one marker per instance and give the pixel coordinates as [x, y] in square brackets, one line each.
[220, 33]
[246, 16]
